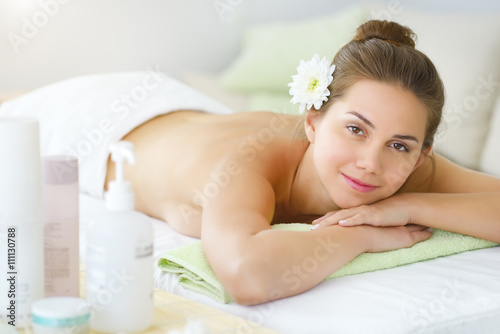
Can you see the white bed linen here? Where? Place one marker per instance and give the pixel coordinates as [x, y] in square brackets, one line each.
[455, 294]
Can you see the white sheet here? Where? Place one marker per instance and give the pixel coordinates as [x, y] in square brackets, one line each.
[455, 294]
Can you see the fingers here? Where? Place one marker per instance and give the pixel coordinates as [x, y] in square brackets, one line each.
[422, 235]
[339, 217]
[345, 217]
[364, 215]
[357, 219]
[388, 238]
[327, 220]
[414, 227]
[419, 233]
[320, 219]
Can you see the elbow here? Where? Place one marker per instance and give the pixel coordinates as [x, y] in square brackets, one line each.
[247, 283]
[247, 296]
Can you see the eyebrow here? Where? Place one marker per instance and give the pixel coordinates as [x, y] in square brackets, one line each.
[361, 117]
[370, 124]
[405, 137]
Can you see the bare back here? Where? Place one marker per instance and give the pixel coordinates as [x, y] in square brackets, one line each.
[186, 158]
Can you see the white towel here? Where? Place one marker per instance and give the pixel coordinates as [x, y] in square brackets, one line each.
[83, 115]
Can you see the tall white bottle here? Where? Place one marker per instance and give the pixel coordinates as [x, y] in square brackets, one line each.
[21, 220]
[120, 257]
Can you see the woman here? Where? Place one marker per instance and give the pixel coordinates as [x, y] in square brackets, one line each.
[362, 172]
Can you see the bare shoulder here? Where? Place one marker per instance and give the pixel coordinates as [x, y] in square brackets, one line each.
[242, 208]
[264, 158]
[440, 175]
[236, 163]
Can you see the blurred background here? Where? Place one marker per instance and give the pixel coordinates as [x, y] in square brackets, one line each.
[243, 52]
[43, 41]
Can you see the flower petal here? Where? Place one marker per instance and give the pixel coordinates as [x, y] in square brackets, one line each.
[310, 85]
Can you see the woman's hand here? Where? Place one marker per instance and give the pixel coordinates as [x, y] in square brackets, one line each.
[392, 211]
[382, 239]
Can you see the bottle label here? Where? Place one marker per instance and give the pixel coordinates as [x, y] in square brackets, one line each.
[56, 257]
[56, 262]
[61, 247]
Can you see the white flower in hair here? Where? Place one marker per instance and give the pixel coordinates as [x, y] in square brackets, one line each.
[310, 84]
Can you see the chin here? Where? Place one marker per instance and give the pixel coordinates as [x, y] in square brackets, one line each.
[346, 203]
[355, 200]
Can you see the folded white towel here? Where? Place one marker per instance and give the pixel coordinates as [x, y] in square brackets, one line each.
[83, 115]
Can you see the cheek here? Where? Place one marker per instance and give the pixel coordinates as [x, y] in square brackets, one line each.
[334, 144]
[397, 173]
[331, 152]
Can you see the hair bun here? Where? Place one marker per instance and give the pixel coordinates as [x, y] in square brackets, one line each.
[391, 32]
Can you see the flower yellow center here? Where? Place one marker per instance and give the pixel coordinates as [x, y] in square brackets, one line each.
[312, 85]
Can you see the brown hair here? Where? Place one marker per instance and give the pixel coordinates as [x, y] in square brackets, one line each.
[385, 52]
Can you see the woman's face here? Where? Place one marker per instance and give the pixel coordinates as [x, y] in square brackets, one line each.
[367, 143]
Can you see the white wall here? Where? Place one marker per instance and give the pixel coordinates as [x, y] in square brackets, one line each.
[42, 41]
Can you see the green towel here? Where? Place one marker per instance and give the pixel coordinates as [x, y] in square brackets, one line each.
[196, 274]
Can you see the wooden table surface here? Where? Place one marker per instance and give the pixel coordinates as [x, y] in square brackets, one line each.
[173, 312]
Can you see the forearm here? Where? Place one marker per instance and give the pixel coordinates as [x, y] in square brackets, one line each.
[475, 214]
[285, 263]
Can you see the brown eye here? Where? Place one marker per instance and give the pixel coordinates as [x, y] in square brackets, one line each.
[400, 147]
[355, 130]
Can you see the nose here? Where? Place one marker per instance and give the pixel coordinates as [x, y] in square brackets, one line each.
[369, 160]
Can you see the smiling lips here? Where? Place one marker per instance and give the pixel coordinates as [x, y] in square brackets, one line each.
[358, 185]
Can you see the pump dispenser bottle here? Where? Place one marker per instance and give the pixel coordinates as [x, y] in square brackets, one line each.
[120, 257]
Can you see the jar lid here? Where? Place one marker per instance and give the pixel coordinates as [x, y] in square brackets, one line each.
[60, 311]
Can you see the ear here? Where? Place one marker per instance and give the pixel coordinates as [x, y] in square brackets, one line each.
[310, 123]
[422, 157]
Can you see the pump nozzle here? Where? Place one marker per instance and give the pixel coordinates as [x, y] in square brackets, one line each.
[120, 196]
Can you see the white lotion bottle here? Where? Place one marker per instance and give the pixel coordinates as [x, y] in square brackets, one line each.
[61, 216]
[120, 257]
[21, 220]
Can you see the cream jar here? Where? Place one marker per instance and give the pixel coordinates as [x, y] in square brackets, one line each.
[61, 315]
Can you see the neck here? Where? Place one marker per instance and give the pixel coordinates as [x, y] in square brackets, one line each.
[308, 196]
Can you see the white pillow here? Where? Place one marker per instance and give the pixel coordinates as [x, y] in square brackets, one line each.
[465, 48]
[490, 158]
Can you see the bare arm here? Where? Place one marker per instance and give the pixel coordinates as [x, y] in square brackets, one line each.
[257, 264]
[459, 200]
[475, 214]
